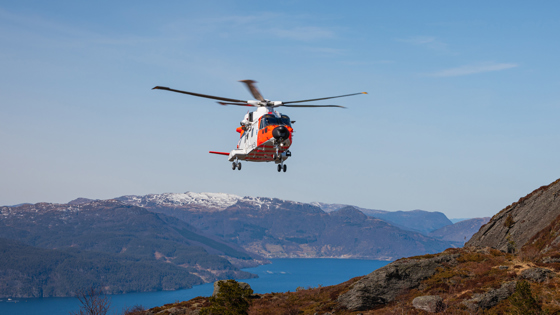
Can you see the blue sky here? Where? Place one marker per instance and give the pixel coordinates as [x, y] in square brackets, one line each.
[461, 115]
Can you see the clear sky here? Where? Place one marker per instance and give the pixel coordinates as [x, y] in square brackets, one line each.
[461, 117]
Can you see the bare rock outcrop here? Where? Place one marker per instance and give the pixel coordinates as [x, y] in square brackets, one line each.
[385, 284]
[516, 224]
[536, 274]
[491, 298]
[429, 303]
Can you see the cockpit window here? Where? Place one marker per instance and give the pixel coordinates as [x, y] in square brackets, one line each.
[267, 120]
[286, 120]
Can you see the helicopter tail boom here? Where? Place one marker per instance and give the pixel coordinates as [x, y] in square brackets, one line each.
[221, 153]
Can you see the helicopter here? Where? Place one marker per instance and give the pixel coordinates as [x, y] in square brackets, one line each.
[265, 134]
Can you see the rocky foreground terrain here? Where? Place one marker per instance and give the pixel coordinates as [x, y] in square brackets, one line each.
[511, 266]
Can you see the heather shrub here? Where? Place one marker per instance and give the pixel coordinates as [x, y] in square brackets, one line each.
[230, 300]
[522, 300]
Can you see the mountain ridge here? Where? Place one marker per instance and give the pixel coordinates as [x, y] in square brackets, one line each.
[512, 227]
[122, 235]
[276, 228]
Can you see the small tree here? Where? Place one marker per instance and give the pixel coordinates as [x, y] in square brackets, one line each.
[522, 300]
[94, 302]
[509, 222]
[135, 310]
[230, 300]
[510, 244]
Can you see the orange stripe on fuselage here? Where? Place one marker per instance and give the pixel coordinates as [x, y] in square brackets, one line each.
[265, 134]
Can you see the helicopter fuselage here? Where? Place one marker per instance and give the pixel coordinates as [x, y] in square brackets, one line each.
[265, 136]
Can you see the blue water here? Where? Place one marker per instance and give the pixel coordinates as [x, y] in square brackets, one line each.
[280, 276]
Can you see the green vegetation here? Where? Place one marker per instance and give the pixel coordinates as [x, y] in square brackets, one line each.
[231, 299]
[509, 222]
[55, 252]
[38, 272]
[220, 246]
[522, 301]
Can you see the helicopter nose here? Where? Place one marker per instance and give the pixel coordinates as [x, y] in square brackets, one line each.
[281, 133]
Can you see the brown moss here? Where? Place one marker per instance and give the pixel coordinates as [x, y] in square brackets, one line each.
[304, 301]
[470, 256]
[427, 256]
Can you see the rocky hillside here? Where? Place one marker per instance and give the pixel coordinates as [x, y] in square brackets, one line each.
[461, 231]
[515, 225]
[276, 228]
[457, 281]
[472, 280]
[129, 243]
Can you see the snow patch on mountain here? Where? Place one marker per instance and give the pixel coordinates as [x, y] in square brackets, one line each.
[215, 201]
[211, 200]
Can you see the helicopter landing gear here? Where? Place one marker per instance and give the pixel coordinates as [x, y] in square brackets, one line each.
[236, 165]
[282, 167]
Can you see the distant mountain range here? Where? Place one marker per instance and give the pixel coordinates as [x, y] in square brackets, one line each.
[461, 231]
[61, 248]
[415, 220]
[173, 241]
[277, 228]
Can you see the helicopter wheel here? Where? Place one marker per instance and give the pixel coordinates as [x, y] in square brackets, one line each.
[233, 166]
[239, 166]
[285, 168]
[279, 167]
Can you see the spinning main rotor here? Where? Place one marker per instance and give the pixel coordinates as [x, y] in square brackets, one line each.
[260, 101]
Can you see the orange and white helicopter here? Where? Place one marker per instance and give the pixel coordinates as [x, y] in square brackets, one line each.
[265, 134]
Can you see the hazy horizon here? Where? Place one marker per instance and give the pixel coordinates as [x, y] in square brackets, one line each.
[460, 117]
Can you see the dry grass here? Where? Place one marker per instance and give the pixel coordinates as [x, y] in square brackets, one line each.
[304, 301]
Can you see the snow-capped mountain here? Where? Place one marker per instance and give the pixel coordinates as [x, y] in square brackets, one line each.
[218, 201]
[203, 201]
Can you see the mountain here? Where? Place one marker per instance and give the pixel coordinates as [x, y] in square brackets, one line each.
[512, 266]
[415, 220]
[30, 272]
[461, 231]
[516, 224]
[119, 235]
[277, 228]
[455, 220]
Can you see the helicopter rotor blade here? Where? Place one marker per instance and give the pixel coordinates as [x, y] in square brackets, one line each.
[199, 95]
[304, 105]
[253, 89]
[237, 104]
[323, 98]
